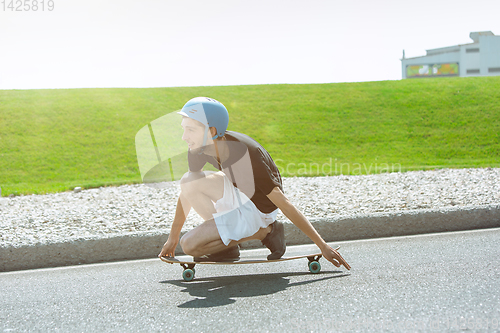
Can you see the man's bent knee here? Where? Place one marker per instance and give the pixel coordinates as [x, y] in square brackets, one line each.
[189, 180]
[189, 245]
[207, 182]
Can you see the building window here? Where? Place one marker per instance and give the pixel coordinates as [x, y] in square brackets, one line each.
[450, 69]
[494, 70]
[473, 71]
[472, 50]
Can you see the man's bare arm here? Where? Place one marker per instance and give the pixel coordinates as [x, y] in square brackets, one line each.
[181, 213]
[297, 218]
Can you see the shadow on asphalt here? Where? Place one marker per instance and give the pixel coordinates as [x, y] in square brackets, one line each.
[222, 290]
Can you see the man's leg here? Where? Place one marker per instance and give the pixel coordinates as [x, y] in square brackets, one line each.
[205, 239]
[200, 190]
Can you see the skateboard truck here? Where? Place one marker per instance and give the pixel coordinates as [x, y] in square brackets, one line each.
[188, 273]
[314, 265]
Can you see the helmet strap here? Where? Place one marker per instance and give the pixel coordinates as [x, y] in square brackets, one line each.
[204, 141]
[205, 136]
[218, 156]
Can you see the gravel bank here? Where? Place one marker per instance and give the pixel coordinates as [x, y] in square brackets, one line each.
[107, 211]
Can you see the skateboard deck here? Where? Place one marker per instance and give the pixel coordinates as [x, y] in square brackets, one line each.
[188, 264]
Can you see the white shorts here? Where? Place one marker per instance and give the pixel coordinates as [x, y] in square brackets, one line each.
[237, 216]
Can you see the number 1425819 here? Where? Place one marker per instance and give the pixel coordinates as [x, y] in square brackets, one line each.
[27, 5]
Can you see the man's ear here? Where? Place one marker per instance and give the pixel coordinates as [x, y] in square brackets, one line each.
[213, 131]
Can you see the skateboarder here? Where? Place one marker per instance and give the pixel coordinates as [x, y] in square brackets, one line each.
[238, 203]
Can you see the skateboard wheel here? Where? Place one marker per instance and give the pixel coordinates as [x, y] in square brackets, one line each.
[188, 274]
[314, 267]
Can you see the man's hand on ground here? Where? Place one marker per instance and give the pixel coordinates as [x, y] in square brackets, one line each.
[334, 257]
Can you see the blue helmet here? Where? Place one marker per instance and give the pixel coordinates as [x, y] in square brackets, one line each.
[209, 112]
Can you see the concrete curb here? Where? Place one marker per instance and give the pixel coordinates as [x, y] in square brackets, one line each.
[148, 245]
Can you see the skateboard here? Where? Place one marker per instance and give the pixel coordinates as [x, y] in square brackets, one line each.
[188, 264]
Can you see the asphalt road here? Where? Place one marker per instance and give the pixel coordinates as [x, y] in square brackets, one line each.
[438, 282]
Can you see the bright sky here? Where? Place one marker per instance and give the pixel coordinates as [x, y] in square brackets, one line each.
[164, 43]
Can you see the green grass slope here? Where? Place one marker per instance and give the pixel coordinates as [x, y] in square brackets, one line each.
[53, 140]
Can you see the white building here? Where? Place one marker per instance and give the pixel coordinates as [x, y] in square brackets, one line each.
[481, 58]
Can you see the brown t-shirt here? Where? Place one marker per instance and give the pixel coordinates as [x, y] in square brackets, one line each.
[249, 167]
